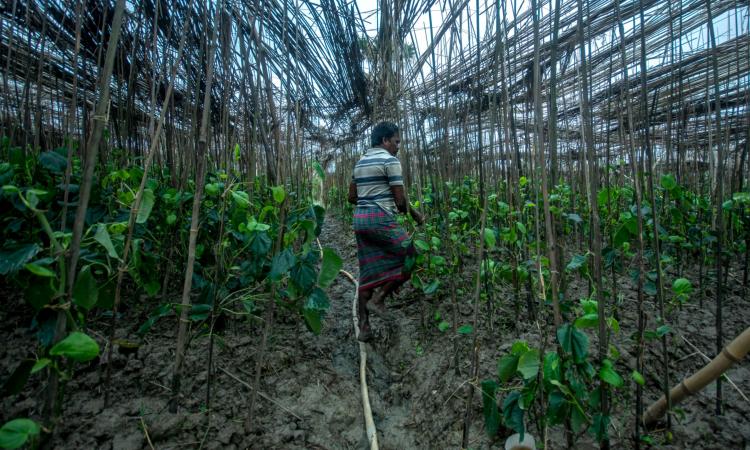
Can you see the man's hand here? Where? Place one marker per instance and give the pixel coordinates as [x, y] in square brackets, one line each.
[419, 218]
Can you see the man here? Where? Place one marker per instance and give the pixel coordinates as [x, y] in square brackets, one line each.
[377, 190]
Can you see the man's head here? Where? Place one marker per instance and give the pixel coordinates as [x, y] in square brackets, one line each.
[385, 135]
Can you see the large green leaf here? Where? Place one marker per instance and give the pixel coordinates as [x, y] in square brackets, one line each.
[528, 364]
[506, 367]
[576, 263]
[85, 291]
[77, 346]
[281, 264]
[329, 267]
[668, 182]
[16, 432]
[608, 374]
[551, 367]
[53, 161]
[573, 342]
[587, 321]
[40, 270]
[489, 238]
[12, 259]
[682, 286]
[489, 407]
[312, 320]
[260, 244]
[319, 170]
[241, 199]
[513, 414]
[147, 204]
[17, 380]
[102, 237]
[318, 300]
[39, 293]
[279, 194]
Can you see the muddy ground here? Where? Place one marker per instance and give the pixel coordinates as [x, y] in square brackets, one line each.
[310, 393]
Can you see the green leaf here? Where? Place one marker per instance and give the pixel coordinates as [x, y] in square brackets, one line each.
[171, 219]
[506, 367]
[13, 258]
[41, 271]
[77, 346]
[663, 330]
[312, 320]
[213, 189]
[444, 326]
[575, 218]
[147, 204]
[16, 432]
[577, 262]
[260, 244]
[329, 267]
[432, 287]
[528, 364]
[551, 366]
[465, 329]
[85, 291]
[241, 199]
[587, 321]
[638, 378]
[199, 312]
[102, 237]
[600, 426]
[279, 194]
[281, 264]
[608, 374]
[573, 342]
[577, 419]
[41, 364]
[53, 161]
[319, 170]
[318, 300]
[39, 293]
[512, 413]
[519, 348]
[521, 228]
[489, 238]
[682, 286]
[489, 408]
[15, 383]
[668, 182]
[422, 245]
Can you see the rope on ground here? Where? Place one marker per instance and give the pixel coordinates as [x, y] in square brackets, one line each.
[372, 435]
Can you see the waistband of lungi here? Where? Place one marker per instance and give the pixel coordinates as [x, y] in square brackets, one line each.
[375, 212]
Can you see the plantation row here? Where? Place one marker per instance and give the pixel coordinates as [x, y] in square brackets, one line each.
[246, 263]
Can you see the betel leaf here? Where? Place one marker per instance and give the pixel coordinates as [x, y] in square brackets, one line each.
[668, 182]
[422, 245]
[432, 287]
[147, 204]
[329, 267]
[587, 321]
[443, 326]
[102, 237]
[551, 366]
[318, 300]
[15, 433]
[281, 264]
[40, 271]
[573, 342]
[241, 199]
[279, 194]
[528, 364]
[608, 374]
[682, 286]
[489, 408]
[319, 170]
[40, 364]
[576, 263]
[260, 244]
[489, 238]
[12, 259]
[506, 367]
[513, 414]
[312, 320]
[600, 426]
[53, 161]
[17, 380]
[465, 329]
[638, 378]
[85, 291]
[77, 346]
[39, 293]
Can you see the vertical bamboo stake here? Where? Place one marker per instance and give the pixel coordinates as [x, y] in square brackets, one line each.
[200, 173]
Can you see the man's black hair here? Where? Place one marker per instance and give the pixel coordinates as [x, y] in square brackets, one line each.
[383, 130]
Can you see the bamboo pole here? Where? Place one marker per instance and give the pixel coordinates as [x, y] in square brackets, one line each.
[730, 355]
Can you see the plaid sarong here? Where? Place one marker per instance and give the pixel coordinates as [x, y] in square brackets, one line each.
[380, 247]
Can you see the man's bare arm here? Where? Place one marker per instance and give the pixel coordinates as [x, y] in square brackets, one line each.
[352, 193]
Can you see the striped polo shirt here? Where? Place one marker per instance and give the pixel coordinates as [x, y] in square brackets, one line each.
[374, 175]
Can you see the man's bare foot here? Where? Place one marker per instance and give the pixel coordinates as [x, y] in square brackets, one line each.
[365, 333]
[377, 304]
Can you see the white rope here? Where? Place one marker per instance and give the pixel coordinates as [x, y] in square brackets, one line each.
[372, 434]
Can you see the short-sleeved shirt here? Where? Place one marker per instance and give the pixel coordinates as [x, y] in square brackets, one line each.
[374, 175]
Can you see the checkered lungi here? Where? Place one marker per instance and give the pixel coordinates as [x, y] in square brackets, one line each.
[382, 247]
